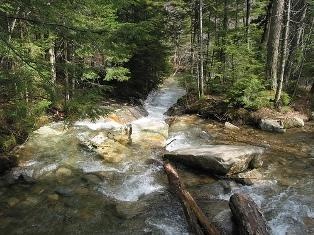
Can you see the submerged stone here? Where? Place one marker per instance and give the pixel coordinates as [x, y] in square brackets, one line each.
[65, 192]
[13, 201]
[217, 159]
[63, 172]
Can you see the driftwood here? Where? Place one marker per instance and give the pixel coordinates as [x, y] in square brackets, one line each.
[197, 220]
[249, 219]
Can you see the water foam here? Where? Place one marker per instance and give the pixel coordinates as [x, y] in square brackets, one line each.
[132, 187]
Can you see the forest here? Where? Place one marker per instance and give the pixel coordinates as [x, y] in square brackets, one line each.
[199, 65]
[66, 56]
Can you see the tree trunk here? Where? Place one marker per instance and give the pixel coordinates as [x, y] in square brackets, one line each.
[296, 38]
[248, 217]
[274, 42]
[52, 59]
[201, 67]
[248, 21]
[284, 56]
[196, 218]
[66, 72]
[267, 22]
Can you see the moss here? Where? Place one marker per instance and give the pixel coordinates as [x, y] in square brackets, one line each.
[7, 143]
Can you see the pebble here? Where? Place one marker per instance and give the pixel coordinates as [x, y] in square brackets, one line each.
[53, 197]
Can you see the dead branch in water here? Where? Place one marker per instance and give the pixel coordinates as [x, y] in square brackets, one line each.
[196, 218]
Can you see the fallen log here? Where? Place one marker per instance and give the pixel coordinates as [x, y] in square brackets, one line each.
[249, 219]
[197, 220]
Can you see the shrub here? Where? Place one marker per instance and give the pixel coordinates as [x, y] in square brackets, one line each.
[248, 93]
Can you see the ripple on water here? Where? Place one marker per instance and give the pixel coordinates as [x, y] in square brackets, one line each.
[132, 186]
[98, 125]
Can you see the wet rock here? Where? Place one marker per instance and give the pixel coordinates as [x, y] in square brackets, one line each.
[272, 125]
[13, 201]
[249, 177]
[230, 126]
[25, 179]
[6, 163]
[127, 114]
[7, 180]
[112, 152]
[150, 132]
[63, 172]
[293, 122]
[309, 224]
[151, 139]
[256, 162]
[223, 221]
[65, 192]
[217, 159]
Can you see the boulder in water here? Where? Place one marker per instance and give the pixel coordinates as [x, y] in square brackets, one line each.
[224, 222]
[292, 122]
[249, 177]
[272, 125]
[217, 159]
[112, 152]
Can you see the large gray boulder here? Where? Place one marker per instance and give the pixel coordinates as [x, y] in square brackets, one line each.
[218, 159]
[272, 125]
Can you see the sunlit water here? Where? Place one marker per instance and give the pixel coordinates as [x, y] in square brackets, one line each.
[131, 197]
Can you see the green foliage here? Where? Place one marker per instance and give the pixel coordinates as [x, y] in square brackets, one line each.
[78, 107]
[92, 46]
[248, 92]
[7, 142]
[117, 73]
[285, 99]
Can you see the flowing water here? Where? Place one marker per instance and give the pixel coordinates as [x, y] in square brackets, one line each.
[76, 192]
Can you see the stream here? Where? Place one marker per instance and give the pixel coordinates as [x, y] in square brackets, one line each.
[77, 192]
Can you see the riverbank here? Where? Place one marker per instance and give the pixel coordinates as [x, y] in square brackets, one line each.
[216, 108]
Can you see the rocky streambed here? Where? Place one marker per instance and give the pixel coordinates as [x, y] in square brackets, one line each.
[102, 177]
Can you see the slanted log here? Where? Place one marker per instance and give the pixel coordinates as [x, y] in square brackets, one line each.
[197, 220]
[248, 217]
